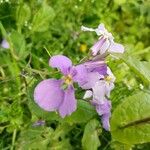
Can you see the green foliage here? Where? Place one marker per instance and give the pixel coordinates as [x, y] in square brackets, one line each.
[130, 120]
[42, 18]
[90, 138]
[23, 15]
[141, 68]
[39, 29]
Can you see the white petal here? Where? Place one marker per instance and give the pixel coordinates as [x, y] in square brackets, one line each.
[99, 91]
[83, 28]
[87, 94]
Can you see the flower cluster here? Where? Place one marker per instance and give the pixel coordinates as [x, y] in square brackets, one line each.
[94, 76]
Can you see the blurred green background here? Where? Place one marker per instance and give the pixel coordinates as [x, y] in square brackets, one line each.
[38, 29]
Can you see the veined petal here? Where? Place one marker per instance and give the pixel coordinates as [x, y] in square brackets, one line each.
[104, 47]
[92, 78]
[69, 104]
[61, 62]
[116, 48]
[81, 73]
[48, 94]
[97, 46]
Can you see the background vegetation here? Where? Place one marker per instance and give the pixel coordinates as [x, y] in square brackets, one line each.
[38, 29]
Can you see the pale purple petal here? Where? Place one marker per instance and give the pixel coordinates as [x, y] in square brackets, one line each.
[105, 121]
[101, 29]
[116, 48]
[96, 66]
[81, 74]
[97, 46]
[5, 44]
[61, 62]
[104, 47]
[103, 108]
[69, 104]
[48, 94]
[92, 78]
[99, 91]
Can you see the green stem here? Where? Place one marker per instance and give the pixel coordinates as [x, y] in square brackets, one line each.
[13, 139]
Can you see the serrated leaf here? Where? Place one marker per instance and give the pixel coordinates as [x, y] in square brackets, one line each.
[130, 122]
[90, 140]
[142, 69]
[42, 18]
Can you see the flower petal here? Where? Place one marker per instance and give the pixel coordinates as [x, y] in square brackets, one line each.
[83, 28]
[116, 48]
[104, 47]
[61, 62]
[81, 73]
[105, 121]
[48, 94]
[96, 66]
[99, 91]
[103, 108]
[5, 44]
[88, 94]
[97, 46]
[92, 78]
[69, 104]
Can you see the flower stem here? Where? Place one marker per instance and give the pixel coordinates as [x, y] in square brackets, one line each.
[13, 139]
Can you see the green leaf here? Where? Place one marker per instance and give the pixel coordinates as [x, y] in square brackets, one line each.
[4, 33]
[23, 14]
[83, 113]
[35, 138]
[130, 122]
[142, 69]
[90, 140]
[119, 2]
[19, 45]
[42, 18]
[120, 146]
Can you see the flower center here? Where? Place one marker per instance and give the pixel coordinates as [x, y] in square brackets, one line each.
[108, 79]
[68, 79]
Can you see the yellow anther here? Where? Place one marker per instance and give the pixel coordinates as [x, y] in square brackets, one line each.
[68, 79]
[108, 79]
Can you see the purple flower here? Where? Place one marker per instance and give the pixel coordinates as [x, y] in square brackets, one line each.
[99, 92]
[5, 44]
[59, 95]
[95, 71]
[39, 123]
[106, 43]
